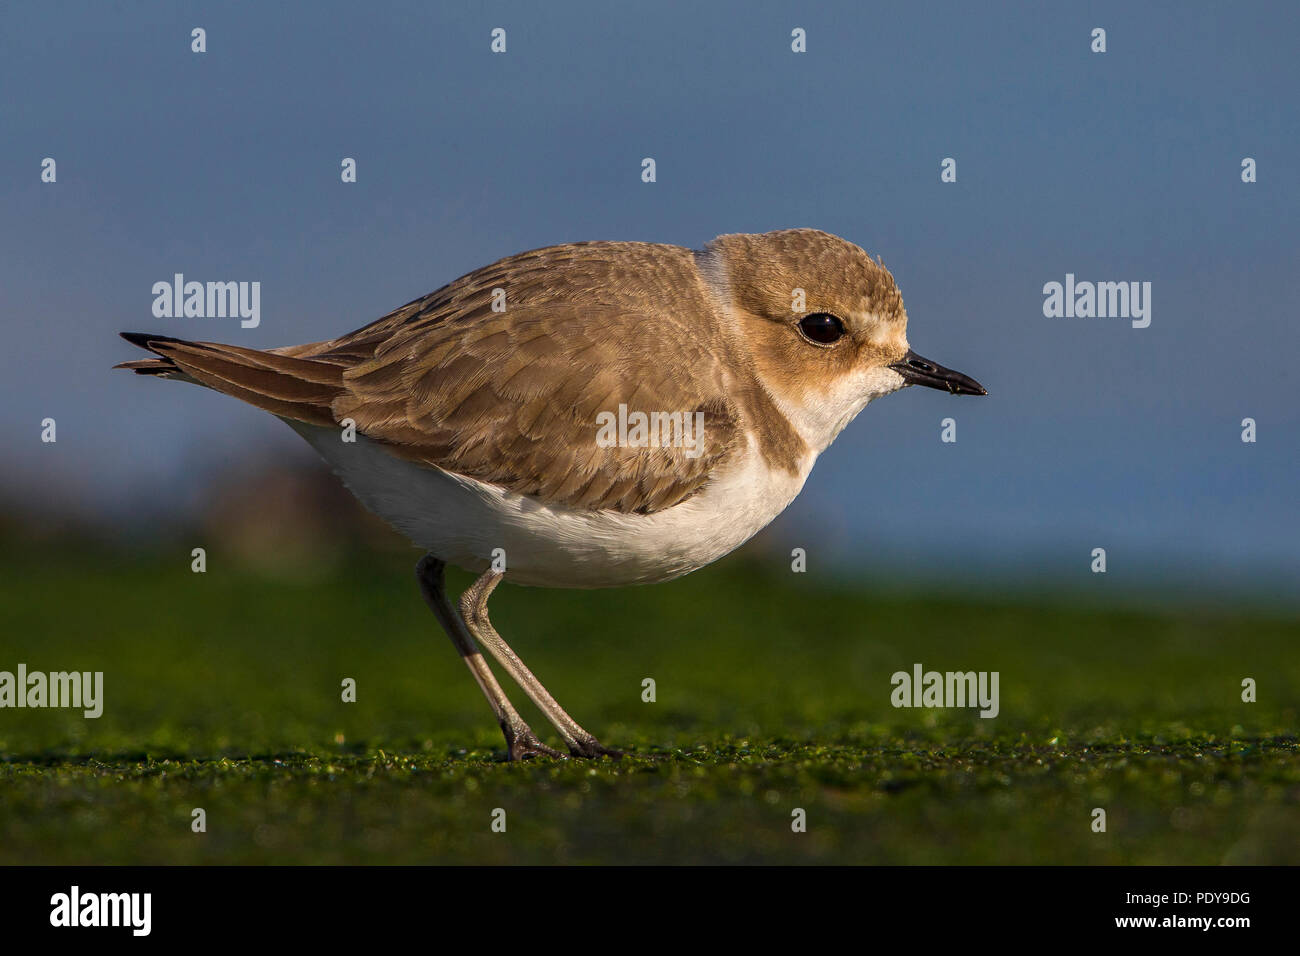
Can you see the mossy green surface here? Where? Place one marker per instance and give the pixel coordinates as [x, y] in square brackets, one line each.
[222, 691]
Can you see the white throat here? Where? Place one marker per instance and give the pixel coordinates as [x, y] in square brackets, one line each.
[820, 421]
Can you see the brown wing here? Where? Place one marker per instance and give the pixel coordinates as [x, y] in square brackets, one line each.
[513, 399]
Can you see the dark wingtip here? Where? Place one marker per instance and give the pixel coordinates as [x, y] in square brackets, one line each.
[160, 364]
[143, 339]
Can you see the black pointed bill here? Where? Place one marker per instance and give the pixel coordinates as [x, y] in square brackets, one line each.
[921, 371]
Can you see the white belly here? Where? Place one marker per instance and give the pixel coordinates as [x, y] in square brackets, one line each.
[463, 521]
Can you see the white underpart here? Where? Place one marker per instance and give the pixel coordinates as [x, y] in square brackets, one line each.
[463, 521]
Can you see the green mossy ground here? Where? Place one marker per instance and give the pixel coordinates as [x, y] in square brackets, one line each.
[222, 691]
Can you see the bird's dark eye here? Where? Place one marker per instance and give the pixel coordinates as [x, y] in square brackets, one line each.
[822, 327]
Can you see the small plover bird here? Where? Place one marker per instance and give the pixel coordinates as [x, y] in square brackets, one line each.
[588, 415]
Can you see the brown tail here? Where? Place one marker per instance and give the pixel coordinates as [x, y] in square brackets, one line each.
[297, 388]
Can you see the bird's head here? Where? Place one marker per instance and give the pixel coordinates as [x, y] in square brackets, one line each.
[824, 325]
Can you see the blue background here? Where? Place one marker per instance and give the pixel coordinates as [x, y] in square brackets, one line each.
[1115, 166]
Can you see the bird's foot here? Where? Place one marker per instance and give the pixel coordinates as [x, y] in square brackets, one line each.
[522, 744]
[590, 747]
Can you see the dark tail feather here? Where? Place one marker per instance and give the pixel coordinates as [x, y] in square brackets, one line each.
[297, 388]
[160, 366]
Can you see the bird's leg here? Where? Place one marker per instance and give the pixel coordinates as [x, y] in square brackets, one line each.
[473, 608]
[520, 740]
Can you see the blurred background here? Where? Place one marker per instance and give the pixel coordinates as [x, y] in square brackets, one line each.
[1120, 690]
[1117, 166]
